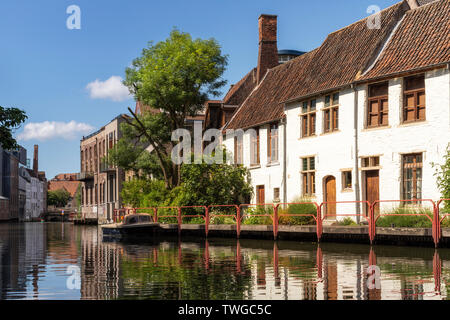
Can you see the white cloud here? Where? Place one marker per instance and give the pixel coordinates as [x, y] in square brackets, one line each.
[112, 89]
[48, 130]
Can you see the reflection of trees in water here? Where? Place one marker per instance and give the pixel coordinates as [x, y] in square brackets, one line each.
[211, 270]
[186, 277]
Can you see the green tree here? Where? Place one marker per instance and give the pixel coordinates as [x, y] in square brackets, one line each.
[214, 184]
[131, 154]
[10, 120]
[140, 193]
[174, 77]
[443, 177]
[58, 198]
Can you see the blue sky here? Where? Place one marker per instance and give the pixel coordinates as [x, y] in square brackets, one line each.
[45, 68]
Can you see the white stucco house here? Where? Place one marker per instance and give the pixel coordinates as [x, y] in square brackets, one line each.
[361, 118]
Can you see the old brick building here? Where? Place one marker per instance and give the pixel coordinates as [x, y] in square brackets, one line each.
[101, 184]
[68, 182]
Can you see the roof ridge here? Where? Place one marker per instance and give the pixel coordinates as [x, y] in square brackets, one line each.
[383, 48]
[361, 20]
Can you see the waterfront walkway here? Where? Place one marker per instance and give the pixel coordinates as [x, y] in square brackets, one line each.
[171, 220]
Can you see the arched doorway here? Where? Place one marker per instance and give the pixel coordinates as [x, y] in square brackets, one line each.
[330, 197]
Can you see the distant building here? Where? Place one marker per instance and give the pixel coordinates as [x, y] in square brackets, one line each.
[101, 183]
[32, 185]
[9, 182]
[68, 182]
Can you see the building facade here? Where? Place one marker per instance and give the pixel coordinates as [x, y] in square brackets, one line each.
[364, 117]
[68, 182]
[9, 176]
[101, 184]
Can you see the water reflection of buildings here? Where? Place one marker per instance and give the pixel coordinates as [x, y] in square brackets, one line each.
[100, 266]
[22, 259]
[302, 274]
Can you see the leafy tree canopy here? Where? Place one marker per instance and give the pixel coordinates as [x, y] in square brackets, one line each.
[443, 177]
[58, 198]
[10, 120]
[202, 185]
[174, 77]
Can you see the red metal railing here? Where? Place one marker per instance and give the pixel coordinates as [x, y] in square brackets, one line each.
[119, 214]
[273, 216]
[316, 217]
[235, 216]
[433, 219]
[371, 217]
[176, 216]
[336, 214]
[204, 216]
[438, 217]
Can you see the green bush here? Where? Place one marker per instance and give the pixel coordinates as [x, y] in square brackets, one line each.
[195, 220]
[417, 221]
[346, 222]
[251, 219]
[306, 207]
[221, 220]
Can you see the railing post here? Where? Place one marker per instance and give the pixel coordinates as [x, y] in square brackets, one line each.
[179, 221]
[436, 225]
[206, 221]
[372, 226]
[155, 215]
[275, 222]
[319, 222]
[238, 221]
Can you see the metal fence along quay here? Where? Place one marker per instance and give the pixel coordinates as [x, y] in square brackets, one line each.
[274, 212]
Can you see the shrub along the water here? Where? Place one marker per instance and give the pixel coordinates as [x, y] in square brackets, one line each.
[416, 220]
[346, 222]
[258, 216]
[302, 206]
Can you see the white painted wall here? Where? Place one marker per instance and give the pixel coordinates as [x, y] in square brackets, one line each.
[336, 151]
[268, 174]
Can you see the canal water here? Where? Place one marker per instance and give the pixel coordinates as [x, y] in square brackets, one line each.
[63, 261]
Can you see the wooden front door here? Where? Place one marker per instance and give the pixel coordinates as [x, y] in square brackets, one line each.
[330, 197]
[373, 188]
[260, 195]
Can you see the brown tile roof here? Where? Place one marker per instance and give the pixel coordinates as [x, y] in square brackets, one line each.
[336, 63]
[424, 2]
[240, 91]
[264, 104]
[70, 186]
[422, 40]
[346, 53]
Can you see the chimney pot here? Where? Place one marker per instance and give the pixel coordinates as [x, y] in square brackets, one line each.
[36, 160]
[268, 51]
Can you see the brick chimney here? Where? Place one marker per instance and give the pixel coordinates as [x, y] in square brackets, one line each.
[35, 160]
[268, 52]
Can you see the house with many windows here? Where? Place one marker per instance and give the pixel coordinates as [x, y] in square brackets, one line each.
[101, 183]
[361, 118]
